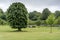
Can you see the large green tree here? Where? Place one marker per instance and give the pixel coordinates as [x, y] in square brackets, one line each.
[17, 15]
[45, 14]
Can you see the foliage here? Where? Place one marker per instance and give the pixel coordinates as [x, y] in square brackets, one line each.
[43, 22]
[57, 14]
[34, 15]
[2, 22]
[30, 22]
[38, 22]
[50, 20]
[2, 15]
[45, 14]
[1, 12]
[17, 15]
[57, 21]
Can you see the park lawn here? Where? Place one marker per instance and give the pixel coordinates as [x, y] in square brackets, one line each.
[42, 33]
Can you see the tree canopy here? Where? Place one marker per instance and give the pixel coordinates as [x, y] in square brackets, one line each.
[34, 15]
[17, 15]
[45, 14]
[50, 20]
[57, 14]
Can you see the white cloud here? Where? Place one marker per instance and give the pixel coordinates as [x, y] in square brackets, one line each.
[32, 5]
[54, 8]
[3, 6]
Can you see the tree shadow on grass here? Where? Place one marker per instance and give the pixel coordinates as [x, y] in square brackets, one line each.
[18, 31]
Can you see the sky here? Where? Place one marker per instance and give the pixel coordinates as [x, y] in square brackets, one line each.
[33, 5]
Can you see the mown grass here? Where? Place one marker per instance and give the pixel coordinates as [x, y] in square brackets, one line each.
[42, 33]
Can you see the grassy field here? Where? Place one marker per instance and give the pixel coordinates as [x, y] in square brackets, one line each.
[42, 33]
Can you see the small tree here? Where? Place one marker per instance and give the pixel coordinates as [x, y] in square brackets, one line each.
[17, 15]
[50, 20]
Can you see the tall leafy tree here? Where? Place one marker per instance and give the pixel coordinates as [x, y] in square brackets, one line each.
[17, 15]
[45, 14]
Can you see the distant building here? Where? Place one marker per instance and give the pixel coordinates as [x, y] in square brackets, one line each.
[31, 26]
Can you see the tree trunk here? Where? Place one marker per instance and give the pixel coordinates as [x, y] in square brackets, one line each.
[19, 29]
[51, 29]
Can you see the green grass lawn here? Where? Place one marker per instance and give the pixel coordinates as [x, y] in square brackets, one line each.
[42, 33]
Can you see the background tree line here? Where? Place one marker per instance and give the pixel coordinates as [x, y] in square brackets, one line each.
[36, 18]
[44, 18]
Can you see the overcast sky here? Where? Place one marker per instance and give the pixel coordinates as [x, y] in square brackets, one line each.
[32, 5]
